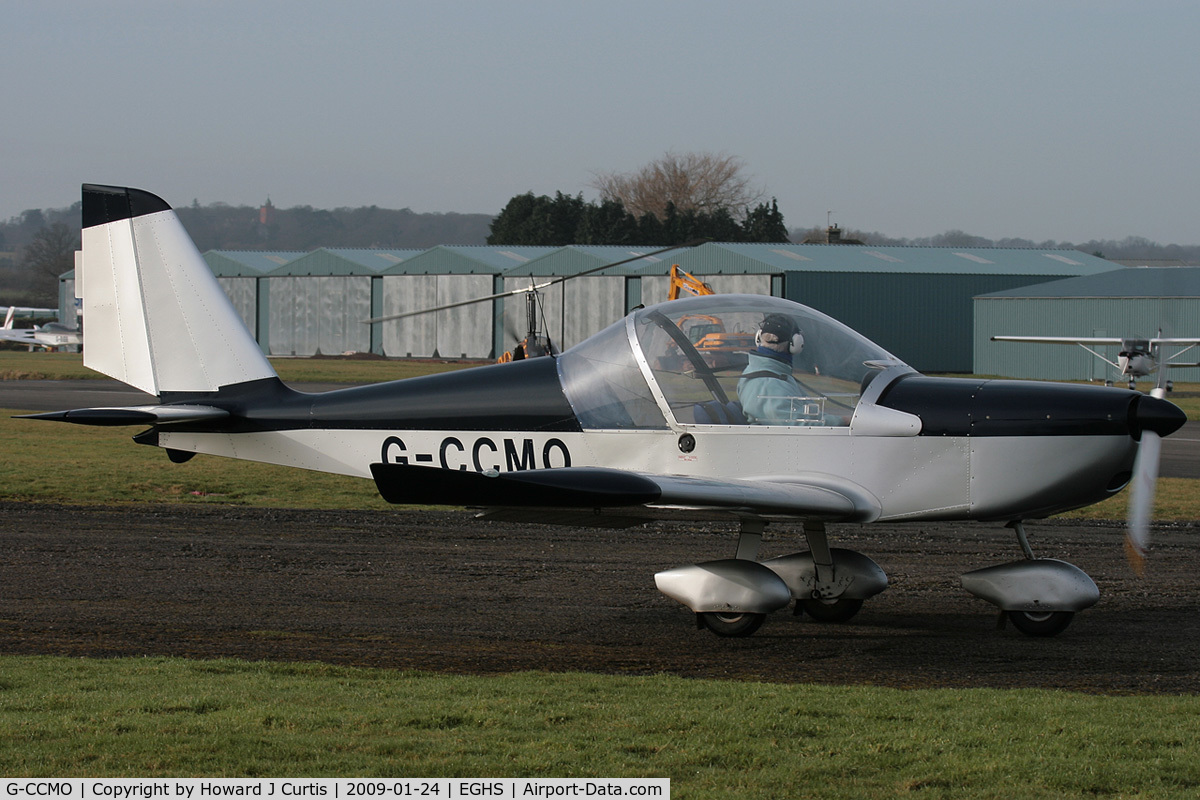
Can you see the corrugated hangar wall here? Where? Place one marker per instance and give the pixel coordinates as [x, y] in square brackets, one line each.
[243, 293]
[319, 314]
[923, 319]
[464, 332]
[571, 310]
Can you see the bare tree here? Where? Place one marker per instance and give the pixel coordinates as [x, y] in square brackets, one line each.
[50, 253]
[704, 182]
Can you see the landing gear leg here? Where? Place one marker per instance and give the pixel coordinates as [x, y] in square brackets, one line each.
[750, 539]
[820, 608]
[732, 624]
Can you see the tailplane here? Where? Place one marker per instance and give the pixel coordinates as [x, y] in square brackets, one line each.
[155, 316]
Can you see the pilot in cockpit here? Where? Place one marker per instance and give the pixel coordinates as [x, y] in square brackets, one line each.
[767, 390]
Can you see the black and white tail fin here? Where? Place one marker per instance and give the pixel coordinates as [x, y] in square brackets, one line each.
[154, 315]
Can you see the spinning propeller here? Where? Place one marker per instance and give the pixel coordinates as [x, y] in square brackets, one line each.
[1156, 417]
[534, 287]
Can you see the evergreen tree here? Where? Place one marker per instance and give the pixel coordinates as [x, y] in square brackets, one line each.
[607, 223]
[537, 220]
[765, 224]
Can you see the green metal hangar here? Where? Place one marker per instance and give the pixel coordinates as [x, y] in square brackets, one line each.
[240, 273]
[316, 303]
[1134, 302]
[914, 301]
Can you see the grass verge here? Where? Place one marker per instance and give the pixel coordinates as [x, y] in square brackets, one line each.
[48, 462]
[169, 717]
[18, 365]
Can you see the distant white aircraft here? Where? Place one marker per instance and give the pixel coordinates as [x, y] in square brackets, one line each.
[1137, 358]
[50, 336]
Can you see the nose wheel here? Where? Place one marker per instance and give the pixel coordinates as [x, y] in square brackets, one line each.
[1039, 596]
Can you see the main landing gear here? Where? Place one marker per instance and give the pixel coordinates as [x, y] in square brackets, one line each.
[1039, 596]
[732, 597]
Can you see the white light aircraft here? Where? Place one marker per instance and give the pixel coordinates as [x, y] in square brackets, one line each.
[1137, 358]
[633, 424]
[49, 336]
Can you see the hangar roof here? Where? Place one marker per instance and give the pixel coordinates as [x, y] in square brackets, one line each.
[576, 258]
[1126, 282]
[466, 259]
[344, 261]
[232, 263]
[717, 257]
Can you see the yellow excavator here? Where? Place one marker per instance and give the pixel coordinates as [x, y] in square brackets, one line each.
[707, 333]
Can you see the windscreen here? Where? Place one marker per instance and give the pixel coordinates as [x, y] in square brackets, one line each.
[604, 385]
[703, 355]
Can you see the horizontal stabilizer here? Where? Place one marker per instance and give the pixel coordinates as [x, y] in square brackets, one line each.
[133, 415]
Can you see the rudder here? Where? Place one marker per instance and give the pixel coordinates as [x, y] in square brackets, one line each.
[155, 316]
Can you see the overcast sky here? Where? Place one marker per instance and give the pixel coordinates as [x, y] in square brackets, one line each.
[1065, 120]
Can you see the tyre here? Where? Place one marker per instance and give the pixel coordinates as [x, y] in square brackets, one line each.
[1041, 623]
[731, 624]
[841, 610]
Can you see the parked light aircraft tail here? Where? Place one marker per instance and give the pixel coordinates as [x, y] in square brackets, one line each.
[633, 424]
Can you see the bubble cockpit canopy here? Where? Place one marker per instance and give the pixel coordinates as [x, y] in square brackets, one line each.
[685, 358]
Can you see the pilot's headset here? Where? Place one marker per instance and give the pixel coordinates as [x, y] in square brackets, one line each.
[780, 333]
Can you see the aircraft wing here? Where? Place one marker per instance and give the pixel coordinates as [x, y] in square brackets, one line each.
[1060, 339]
[599, 487]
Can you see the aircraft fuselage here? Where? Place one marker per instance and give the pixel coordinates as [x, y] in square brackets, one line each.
[973, 449]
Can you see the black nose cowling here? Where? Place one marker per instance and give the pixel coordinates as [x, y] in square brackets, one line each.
[1160, 416]
[989, 408]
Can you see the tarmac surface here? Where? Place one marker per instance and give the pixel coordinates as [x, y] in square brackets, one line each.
[442, 591]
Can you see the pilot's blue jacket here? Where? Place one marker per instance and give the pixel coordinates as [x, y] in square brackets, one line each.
[771, 399]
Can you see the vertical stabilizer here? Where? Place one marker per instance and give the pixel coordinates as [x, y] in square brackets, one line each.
[154, 315]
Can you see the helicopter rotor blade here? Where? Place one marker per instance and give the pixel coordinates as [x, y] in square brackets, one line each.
[459, 304]
[535, 287]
